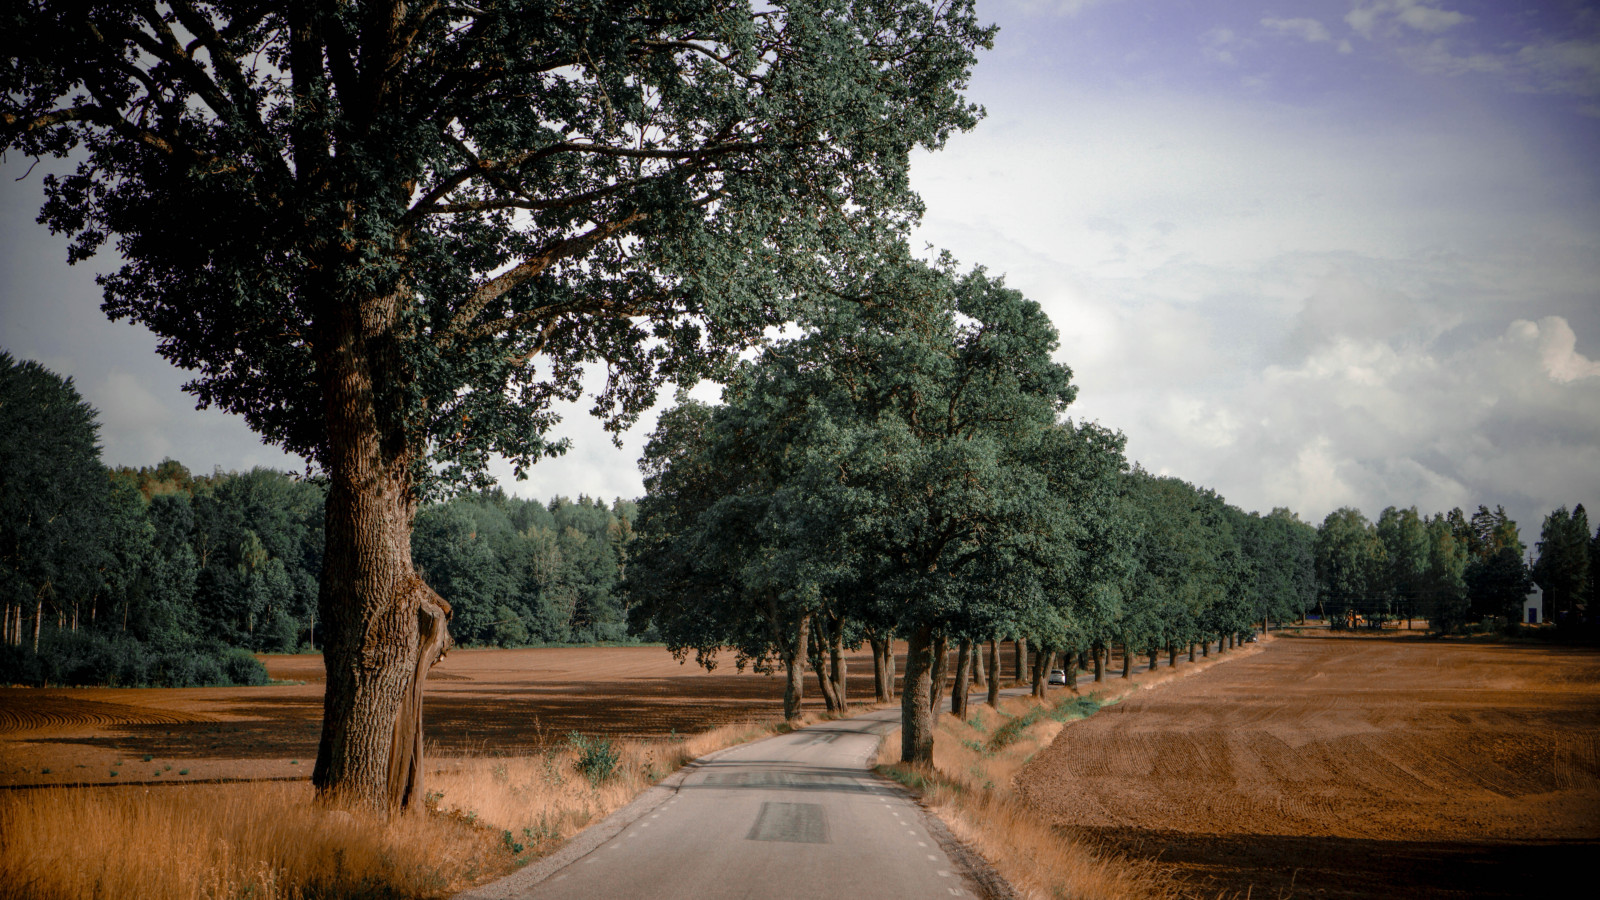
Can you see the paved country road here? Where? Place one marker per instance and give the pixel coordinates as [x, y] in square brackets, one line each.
[797, 815]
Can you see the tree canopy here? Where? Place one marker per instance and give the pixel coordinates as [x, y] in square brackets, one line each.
[389, 234]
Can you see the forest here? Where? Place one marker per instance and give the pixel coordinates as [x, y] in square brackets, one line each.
[160, 576]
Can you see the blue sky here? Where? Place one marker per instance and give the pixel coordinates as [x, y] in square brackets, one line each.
[1309, 254]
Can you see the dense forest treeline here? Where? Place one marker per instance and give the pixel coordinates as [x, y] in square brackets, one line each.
[158, 575]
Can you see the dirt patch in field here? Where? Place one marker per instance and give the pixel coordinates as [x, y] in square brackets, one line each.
[1346, 767]
[479, 701]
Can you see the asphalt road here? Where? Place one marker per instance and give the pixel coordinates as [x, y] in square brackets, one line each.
[797, 815]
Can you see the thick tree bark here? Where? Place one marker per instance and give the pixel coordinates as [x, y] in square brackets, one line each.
[916, 712]
[940, 673]
[958, 695]
[1074, 660]
[993, 697]
[1155, 656]
[1020, 658]
[1127, 660]
[383, 627]
[1205, 647]
[384, 630]
[979, 678]
[1099, 664]
[1172, 655]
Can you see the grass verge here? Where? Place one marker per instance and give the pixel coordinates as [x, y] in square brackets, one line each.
[485, 817]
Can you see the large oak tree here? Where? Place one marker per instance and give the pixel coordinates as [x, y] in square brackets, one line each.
[389, 234]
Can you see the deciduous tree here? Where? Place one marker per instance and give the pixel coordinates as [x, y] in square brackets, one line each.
[388, 234]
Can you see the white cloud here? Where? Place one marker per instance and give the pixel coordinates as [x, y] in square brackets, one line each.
[1368, 19]
[1294, 309]
[1557, 346]
[1309, 30]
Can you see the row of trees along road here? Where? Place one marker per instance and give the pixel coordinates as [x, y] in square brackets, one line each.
[388, 234]
[901, 467]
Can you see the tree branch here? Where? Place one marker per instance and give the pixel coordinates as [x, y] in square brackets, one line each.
[529, 268]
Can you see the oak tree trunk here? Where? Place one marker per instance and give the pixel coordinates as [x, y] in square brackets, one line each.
[384, 630]
[1155, 656]
[1127, 660]
[1205, 647]
[1020, 653]
[837, 666]
[916, 712]
[882, 669]
[958, 696]
[1172, 655]
[941, 670]
[1191, 651]
[819, 640]
[1099, 664]
[979, 677]
[1041, 665]
[1073, 661]
[794, 670]
[993, 697]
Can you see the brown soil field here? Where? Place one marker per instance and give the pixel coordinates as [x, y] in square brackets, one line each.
[478, 702]
[1347, 767]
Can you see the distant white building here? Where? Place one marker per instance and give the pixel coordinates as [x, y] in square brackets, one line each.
[1533, 606]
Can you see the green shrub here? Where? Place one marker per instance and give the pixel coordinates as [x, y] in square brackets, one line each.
[242, 668]
[597, 757]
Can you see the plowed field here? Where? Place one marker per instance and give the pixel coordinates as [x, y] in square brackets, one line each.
[479, 701]
[1347, 767]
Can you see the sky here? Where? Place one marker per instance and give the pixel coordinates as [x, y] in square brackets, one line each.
[1308, 254]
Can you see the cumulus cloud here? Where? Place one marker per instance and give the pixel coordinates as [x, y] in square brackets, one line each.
[1557, 346]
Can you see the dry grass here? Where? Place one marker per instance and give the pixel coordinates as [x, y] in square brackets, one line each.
[273, 841]
[971, 789]
[260, 840]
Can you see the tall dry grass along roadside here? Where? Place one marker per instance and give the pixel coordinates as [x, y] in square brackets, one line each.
[486, 816]
[971, 786]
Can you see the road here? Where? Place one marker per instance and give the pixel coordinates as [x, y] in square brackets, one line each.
[797, 815]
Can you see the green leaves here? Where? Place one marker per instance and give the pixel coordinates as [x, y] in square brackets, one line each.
[476, 202]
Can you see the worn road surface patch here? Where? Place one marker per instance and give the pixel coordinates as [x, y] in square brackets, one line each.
[796, 823]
